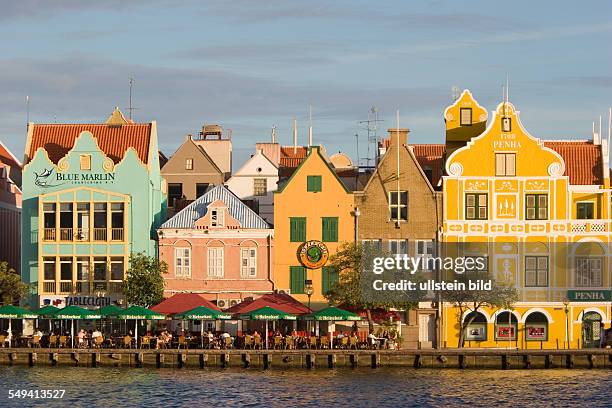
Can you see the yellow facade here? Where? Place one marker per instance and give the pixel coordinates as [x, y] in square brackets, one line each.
[507, 196]
[295, 201]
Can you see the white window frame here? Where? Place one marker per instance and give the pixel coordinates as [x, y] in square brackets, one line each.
[217, 218]
[508, 162]
[259, 193]
[399, 205]
[215, 258]
[189, 164]
[248, 255]
[424, 252]
[182, 262]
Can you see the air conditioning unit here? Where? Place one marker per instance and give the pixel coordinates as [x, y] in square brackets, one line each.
[283, 291]
[233, 302]
[222, 303]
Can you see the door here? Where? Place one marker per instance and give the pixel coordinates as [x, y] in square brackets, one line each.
[427, 330]
[591, 330]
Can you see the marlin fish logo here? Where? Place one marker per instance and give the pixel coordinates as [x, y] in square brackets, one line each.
[41, 179]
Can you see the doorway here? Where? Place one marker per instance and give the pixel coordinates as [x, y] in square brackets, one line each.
[591, 330]
[427, 330]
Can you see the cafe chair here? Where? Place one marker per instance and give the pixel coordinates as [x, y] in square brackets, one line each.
[258, 343]
[248, 342]
[289, 343]
[99, 341]
[278, 342]
[52, 341]
[36, 341]
[312, 342]
[182, 341]
[353, 342]
[2, 340]
[228, 343]
[63, 341]
[127, 342]
[145, 341]
[344, 343]
[324, 342]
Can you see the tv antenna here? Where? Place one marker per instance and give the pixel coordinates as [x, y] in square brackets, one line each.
[131, 108]
[371, 127]
[455, 92]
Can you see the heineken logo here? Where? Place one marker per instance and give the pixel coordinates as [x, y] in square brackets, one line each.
[313, 254]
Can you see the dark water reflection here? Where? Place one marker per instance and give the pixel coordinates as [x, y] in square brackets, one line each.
[116, 387]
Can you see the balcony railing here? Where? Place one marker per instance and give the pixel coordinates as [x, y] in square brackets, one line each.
[115, 287]
[589, 226]
[82, 287]
[49, 287]
[65, 287]
[81, 234]
[100, 234]
[66, 234]
[117, 234]
[49, 234]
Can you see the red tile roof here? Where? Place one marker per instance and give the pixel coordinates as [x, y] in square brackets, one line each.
[182, 302]
[7, 157]
[58, 139]
[290, 159]
[583, 160]
[282, 302]
[431, 156]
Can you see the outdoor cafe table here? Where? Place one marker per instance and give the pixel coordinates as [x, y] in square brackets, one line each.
[11, 312]
[73, 313]
[332, 314]
[266, 314]
[139, 313]
[203, 313]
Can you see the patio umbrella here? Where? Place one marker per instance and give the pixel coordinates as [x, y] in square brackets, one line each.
[11, 312]
[108, 312]
[46, 312]
[266, 314]
[203, 313]
[139, 313]
[73, 313]
[332, 314]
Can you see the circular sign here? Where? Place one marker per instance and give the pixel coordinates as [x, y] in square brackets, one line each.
[313, 254]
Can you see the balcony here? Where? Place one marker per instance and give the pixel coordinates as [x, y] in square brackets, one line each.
[66, 234]
[82, 234]
[589, 226]
[99, 234]
[82, 287]
[115, 288]
[49, 234]
[117, 234]
[49, 287]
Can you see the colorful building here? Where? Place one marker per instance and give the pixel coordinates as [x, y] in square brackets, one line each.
[400, 213]
[10, 208]
[539, 213]
[92, 195]
[313, 216]
[219, 248]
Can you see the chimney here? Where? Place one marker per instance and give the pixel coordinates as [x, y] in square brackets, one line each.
[270, 150]
[403, 135]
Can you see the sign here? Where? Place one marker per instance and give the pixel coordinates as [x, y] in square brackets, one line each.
[476, 332]
[505, 332]
[88, 301]
[536, 332]
[313, 254]
[604, 295]
[51, 300]
[47, 178]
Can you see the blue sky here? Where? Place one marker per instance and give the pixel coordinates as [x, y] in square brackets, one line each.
[249, 65]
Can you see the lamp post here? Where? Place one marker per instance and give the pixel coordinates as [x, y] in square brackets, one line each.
[308, 290]
[566, 304]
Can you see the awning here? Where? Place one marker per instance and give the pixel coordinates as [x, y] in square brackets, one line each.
[139, 313]
[76, 313]
[182, 302]
[14, 312]
[333, 313]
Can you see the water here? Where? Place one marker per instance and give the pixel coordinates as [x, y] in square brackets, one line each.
[124, 387]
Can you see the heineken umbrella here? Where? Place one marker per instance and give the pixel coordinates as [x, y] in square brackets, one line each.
[46, 312]
[11, 312]
[267, 313]
[108, 312]
[139, 313]
[73, 313]
[332, 314]
[203, 313]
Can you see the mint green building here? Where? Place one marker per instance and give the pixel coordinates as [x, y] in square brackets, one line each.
[92, 194]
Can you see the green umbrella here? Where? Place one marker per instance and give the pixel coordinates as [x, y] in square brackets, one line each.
[203, 313]
[73, 313]
[46, 311]
[11, 312]
[139, 313]
[267, 313]
[332, 314]
[109, 311]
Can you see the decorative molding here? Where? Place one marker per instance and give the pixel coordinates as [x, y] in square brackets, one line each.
[455, 169]
[555, 170]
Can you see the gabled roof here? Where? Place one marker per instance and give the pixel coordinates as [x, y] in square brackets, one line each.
[114, 141]
[187, 217]
[289, 158]
[182, 302]
[279, 301]
[432, 156]
[7, 157]
[583, 160]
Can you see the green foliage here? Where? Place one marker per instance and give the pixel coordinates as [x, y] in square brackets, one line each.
[11, 286]
[144, 285]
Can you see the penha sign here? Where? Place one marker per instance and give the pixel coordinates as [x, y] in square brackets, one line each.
[590, 295]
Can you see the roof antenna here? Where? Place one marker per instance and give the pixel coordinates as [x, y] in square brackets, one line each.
[274, 134]
[27, 110]
[294, 135]
[310, 126]
[131, 108]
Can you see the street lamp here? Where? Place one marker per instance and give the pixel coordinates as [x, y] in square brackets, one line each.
[566, 304]
[308, 290]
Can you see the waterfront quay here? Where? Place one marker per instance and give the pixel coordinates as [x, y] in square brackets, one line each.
[311, 359]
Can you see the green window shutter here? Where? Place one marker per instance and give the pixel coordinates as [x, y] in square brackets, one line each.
[297, 229]
[313, 184]
[297, 276]
[330, 229]
[330, 278]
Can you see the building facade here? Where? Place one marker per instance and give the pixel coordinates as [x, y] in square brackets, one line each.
[10, 208]
[400, 213]
[538, 212]
[313, 216]
[92, 196]
[217, 247]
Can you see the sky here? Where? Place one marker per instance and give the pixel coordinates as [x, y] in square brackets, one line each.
[251, 65]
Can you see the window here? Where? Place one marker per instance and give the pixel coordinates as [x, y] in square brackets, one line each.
[477, 329]
[536, 206]
[217, 217]
[248, 262]
[99, 269]
[297, 229]
[117, 221]
[505, 164]
[398, 205]
[536, 327]
[82, 222]
[188, 164]
[116, 269]
[506, 124]
[398, 246]
[585, 211]
[425, 249]
[372, 245]
[182, 262]
[49, 269]
[476, 206]
[175, 192]
[49, 222]
[82, 269]
[313, 184]
[100, 221]
[330, 278]
[466, 116]
[201, 189]
[297, 278]
[588, 272]
[536, 271]
[260, 187]
[329, 229]
[66, 269]
[66, 221]
[506, 326]
[215, 262]
[85, 160]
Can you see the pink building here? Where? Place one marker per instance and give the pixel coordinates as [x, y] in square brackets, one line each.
[217, 247]
[10, 208]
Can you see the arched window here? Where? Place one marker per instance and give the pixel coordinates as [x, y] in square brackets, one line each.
[591, 329]
[536, 327]
[477, 329]
[505, 326]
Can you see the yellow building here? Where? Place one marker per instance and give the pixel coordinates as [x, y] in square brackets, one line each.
[312, 217]
[540, 212]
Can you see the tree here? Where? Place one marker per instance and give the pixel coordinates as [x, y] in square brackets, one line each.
[144, 285]
[502, 295]
[351, 261]
[12, 287]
